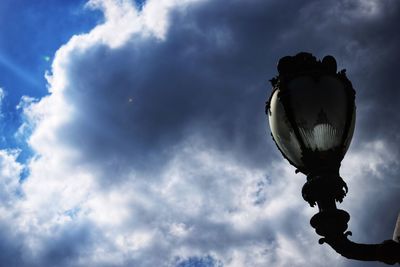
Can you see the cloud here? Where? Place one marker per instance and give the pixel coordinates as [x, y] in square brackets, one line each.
[2, 94]
[9, 173]
[152, 147]
[375, 166]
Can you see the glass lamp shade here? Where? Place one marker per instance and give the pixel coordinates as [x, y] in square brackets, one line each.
[312, 120]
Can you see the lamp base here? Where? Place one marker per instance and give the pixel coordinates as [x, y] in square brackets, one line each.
[330, 222]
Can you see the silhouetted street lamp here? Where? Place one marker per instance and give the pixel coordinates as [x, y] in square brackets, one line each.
[312, 115]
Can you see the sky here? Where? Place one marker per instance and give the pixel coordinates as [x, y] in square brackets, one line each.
[133, 133]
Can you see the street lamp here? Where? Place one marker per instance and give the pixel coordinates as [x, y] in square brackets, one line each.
[312, 115]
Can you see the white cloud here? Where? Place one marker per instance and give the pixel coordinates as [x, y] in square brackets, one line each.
[372, 158]
[2, 96]
[10, 171]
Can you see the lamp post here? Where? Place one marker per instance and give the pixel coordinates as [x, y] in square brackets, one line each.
[312, 115]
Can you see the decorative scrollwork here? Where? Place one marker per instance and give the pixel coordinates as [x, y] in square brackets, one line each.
[322, 187]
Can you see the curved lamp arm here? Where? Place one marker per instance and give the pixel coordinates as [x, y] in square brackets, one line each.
[331, 224]
[387, 252]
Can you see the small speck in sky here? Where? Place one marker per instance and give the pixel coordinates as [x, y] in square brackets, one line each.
[46, 58]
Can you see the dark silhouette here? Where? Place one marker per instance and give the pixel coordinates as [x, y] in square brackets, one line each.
[312, 116]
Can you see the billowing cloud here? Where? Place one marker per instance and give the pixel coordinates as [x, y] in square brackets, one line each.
[152, 147]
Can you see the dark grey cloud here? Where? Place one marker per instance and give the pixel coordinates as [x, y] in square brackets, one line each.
[61, 248]
[11, 247]
[67, 244]
[210, 76]
[214, 65]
